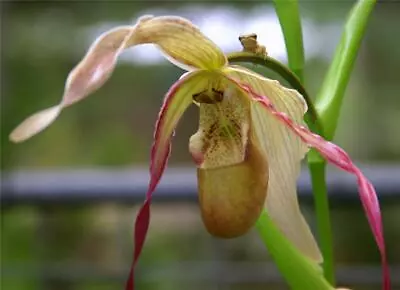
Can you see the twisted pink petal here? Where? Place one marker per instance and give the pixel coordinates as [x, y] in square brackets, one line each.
[337, 156]
[159, 157]
[176, 101]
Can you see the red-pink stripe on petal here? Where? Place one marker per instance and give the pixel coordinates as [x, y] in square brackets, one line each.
[337, 156]
[158, 161]
[160, 152]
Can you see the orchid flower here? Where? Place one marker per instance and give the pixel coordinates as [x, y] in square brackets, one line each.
[249, 144]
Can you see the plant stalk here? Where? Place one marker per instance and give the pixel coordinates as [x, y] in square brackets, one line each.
[317, 167]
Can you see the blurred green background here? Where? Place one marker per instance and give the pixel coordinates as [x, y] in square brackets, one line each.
[87, 246]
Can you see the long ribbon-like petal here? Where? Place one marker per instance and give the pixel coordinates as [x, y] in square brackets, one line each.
[337, 156]
[284, 151]
[181, 41]
[176, 101]
[90, 74]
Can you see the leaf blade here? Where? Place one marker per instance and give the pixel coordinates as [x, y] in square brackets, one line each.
[300, 273]
[330, 97]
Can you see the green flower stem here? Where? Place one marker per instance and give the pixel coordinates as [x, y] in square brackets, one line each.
[317, 167]
[289, 19]
[299, 272]
[316, 163]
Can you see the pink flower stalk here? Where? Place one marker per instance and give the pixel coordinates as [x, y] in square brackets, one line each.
[250, 141]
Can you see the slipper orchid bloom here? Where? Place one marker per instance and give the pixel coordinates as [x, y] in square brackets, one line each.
[249, 144]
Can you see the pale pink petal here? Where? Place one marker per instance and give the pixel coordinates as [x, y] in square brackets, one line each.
[35, 123]
[90, 74]
[177, 37]
[337, 156]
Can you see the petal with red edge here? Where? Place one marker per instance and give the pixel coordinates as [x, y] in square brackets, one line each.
[337, 156]
[284, 151]
[176, 101]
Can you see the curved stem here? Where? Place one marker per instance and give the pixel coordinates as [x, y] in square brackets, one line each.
[311, 116]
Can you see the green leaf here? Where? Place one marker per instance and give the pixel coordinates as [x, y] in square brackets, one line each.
[330, 97]
[289, 18]
[299, 272]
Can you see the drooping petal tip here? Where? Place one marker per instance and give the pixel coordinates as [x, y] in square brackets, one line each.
[34, 124]
[90, 74]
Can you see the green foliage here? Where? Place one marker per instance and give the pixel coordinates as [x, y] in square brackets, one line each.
[330, 98]
[299, 272]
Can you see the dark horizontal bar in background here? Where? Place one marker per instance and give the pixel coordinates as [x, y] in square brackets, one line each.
[177, 184]
[232, 272]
